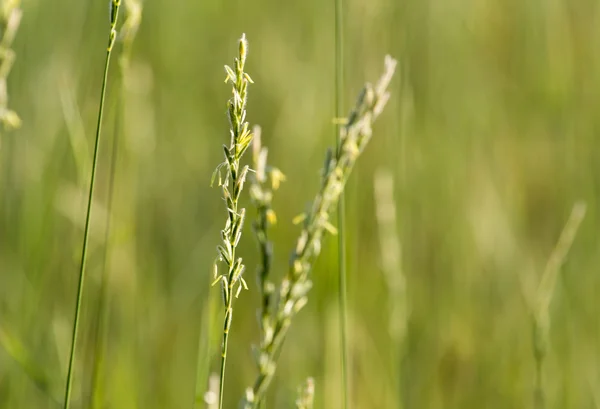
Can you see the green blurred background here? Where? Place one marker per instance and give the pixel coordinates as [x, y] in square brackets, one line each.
[492, 134]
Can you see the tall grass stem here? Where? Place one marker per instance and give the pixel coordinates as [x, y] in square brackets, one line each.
[133, 9]
[114, 13]
[341, 210]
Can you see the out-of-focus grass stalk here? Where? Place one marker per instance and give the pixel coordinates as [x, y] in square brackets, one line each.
[22, 356]
[294, 289]
[265, 180]
[391, 263]
[133, 17]
[341, 210]
[232, 186]
[10, 18]
[112, 35]
[544, 294]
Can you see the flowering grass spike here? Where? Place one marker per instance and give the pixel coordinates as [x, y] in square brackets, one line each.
[232, 281]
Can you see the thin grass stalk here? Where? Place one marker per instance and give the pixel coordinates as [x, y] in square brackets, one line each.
[545, 292]
[133, 13]
[294, 289]
[341, 211]
[232, 187]
[101, 322]
[114, 14]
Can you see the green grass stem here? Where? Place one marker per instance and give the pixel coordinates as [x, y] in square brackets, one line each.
[114, 13]
[133, 10]
[341, 210]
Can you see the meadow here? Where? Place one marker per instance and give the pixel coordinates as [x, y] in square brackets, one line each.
[471, 218]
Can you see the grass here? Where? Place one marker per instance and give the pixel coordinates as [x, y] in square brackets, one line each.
[133, 15]
[306, 395]
[10, 20]
[265, 181]
[293, 291]
[341, 210]
[540, 308]
[232, 185]
[112, 36]
[391, 264]
[500, 141]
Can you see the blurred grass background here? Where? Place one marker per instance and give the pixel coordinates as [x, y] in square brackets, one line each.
[492, 134]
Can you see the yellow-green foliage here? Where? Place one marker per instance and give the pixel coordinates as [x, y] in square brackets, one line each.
[491, 135]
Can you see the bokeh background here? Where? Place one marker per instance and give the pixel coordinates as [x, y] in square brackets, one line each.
[491, 136]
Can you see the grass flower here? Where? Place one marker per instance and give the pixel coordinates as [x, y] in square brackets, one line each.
[232, 185]
[306, 395]
[264, 182]
[292, 297]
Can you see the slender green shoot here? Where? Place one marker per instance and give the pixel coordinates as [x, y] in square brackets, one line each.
[341, 211]
[293, 292]
[232, 185]
[114, 14]
[133, 14]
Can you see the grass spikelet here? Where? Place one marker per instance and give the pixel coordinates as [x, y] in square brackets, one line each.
[264, 182]
[306, 395]
[232, 280]
[391, 264]
[10, 20]
[354, 137]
